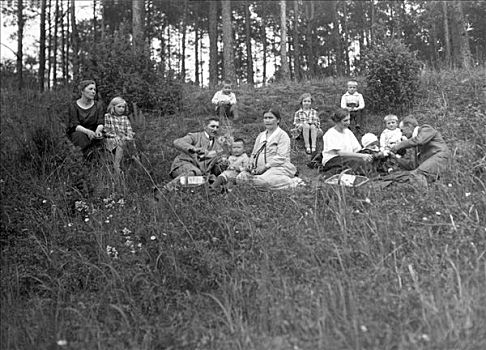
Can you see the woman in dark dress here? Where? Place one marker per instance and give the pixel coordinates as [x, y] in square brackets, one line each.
[85, 117]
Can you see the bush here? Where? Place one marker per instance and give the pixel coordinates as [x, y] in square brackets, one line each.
[119, 70]
[392, 77]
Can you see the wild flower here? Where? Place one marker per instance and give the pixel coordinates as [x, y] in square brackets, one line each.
[467, 194]
[61, 342]
[70, 224]
[121, 202]
[86, 219]
[363, 328]
[111, 251]
[437, 213]
[80, 206]
[126, 231]
[44, 201]
[153, 238]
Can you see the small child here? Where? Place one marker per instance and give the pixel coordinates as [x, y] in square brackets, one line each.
[225, 101]
[392, 134]
[307, 123]
[118, 130]
[382, 162]
[354, 103]
[238, 162]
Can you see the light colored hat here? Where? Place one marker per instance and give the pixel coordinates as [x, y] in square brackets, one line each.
[368, 139]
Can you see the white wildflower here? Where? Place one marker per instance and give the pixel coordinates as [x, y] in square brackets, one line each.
[153, 238]
[126, 231]
[86, 219]
[363, 328]
[62, 342]
[437, 213]
[467, 194]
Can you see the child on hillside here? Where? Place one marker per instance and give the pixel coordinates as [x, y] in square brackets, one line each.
[225, 101]
[238, 162]
[382, 162]
[353, 101]
[118, 130]
[392, 134]
[307, 123]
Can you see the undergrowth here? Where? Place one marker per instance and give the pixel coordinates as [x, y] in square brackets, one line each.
[90, 261]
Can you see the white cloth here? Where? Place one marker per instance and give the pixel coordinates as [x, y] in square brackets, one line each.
[355, 98]
[220, 96]
[335, 141]
[276, 154]
[390, 137]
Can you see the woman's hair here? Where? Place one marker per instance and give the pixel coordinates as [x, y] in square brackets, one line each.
[82, 85]
[390, 117]
[304, 96]
[339, 114]
[114, 102]
[274, 111]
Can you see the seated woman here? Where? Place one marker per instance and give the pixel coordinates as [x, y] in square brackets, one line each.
[307, 123]
[86, 118]
[341, 148]
[270, 166]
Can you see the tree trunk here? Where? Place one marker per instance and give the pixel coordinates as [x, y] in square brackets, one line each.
[296, 43]
[196, 56]
[63, 44]
[337, 40]
[184, 29]
[74, 43]
[311, 60]
[20, 38]
[447, 39]
[346, 39]
[54, 50]
[283, 40]
[95, 22]
[372, 22]
[228, 53]
[463, 38]
[42, 46]
[68, 47]
[264, 41]
[137, 24]
[49, 44]
[249, 56]
[213, 43]
[103, 28]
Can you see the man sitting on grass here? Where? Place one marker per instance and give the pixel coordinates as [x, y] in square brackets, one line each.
[200, 154]
[430, 155]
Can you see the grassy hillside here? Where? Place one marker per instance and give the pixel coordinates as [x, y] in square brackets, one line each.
[89, 262]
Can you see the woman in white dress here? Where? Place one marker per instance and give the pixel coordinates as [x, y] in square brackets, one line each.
[270, 165]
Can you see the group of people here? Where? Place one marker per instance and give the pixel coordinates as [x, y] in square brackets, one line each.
[89, 125]
[269, 165]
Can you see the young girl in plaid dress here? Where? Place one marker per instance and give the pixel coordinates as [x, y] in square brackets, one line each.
[307, 123]
[118, 130]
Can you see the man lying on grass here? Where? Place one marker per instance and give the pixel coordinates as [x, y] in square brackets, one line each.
[200, 154]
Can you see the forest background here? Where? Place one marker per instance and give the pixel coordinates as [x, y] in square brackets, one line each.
[90, 261]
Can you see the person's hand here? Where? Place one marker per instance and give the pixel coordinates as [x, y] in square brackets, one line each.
[367, 158]
[260, 170]
[211, 154]
[197, 150]
[394, 149]
[91, 134]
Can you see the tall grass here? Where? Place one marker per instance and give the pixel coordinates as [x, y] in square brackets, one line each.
[94, 263]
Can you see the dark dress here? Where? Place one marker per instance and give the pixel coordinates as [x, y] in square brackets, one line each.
[89, 118]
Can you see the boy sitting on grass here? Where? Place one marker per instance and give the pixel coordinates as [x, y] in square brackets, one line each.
[238, 162]
[353, 102]
[225, 101]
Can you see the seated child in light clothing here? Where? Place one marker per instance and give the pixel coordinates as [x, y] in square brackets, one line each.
[225, 101]
[382, 162]
[118, 130]
[238, 162]
[392, 134]
[307, 123]
[353, 101]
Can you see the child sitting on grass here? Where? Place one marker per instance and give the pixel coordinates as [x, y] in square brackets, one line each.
[225, 101]
[382, 162]
[118, 130]
[392, 134]
[238, 162]
[307, 123]
[354, 103]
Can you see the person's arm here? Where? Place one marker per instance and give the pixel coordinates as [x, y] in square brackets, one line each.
[361, 103]
[109, 128]
[425, 134]
[216, 98]
[283, 150]
[100, 116]
[72, 120]
[297, 118]
[316, 120]
[129, 134]
[232, 100]
[343, 102]
[186, 144]
[382, 140]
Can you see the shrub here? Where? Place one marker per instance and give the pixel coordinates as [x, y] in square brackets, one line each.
[392, 77]
[121, 70]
